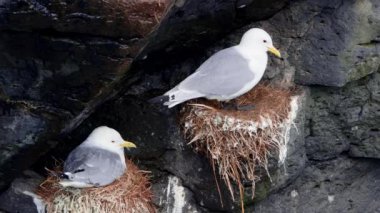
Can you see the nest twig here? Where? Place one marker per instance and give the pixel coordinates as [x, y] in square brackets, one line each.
[130, 193]
[238, 142]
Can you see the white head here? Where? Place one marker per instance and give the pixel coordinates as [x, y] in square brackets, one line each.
[107, 138]
[259, 40]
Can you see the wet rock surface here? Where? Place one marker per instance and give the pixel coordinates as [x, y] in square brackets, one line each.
[61, 59]
[73, 59]
[327, 42]
[345, 119]
[120, 19]
[342, 184]
[57, 64]
[19, 196]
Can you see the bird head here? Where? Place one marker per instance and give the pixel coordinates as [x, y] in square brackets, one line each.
[260, 40]
[109, 139]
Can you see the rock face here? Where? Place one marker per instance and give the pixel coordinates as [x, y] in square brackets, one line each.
[69, 57]
[20, 198]
[61, 59]
[340, 185]
[329, 43]
[161, 149]
[174, 197]
[345, 119]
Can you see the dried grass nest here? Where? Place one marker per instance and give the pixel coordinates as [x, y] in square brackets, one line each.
[130, 193]
[238, 142]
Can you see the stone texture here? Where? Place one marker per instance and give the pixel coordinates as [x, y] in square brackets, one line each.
[56, 67]
[191, 25]
[340, 185]
[161, 149]
[19, 196]
[328, 42]
[76, 55]
[344, 119]
[174, 197]
[125, 19]
[61, 59]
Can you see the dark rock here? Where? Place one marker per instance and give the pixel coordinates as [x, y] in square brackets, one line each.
[126, 19]
[21, 132]
[328, 42]
[344, 119]
[326, 147]
[59, 61]
[172, 196]
[71, 56]
[191, 25]
[340, 185]
[19, 197]
[161, 149]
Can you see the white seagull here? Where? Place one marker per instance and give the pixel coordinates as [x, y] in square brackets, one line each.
[98, 161]
[228, 73]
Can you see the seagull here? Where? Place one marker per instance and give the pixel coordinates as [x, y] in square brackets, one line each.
[228, 73]
[98, 161]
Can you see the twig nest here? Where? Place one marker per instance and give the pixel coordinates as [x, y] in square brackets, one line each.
[237, 142]
[130, 193]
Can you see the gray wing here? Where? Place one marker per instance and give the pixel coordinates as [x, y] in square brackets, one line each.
[93, 166]
[223, 74]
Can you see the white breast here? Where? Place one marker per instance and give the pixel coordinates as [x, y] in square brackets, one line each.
[257, 66]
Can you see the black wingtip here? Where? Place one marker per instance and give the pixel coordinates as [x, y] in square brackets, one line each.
[159, 99]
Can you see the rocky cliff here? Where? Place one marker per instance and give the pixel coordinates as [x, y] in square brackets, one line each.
[69, 66]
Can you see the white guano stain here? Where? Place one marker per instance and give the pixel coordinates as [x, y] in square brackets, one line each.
[288, 124]
[175, 194]
[38, 202]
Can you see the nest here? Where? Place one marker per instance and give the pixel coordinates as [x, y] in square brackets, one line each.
[130, 193]
[239, 142]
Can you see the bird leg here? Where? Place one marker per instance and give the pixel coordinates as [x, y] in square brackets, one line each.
[226, 105]
[247, 107]
[244, 107]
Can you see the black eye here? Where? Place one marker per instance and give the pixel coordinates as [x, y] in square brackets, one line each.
[113, 141]
[265, 41]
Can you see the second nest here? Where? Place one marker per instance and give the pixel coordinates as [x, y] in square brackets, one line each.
[239, 142]
[130, 193]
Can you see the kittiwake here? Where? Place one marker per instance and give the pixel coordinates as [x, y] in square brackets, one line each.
[228, 73]
[98, 161]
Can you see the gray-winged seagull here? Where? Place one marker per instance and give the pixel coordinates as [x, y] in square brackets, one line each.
[228, 73]
[98, 161]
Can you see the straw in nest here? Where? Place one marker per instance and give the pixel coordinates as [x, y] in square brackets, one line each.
[130, 193]
[237, 142]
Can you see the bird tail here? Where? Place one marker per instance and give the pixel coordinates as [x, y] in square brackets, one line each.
[159, 99]
[175, 96]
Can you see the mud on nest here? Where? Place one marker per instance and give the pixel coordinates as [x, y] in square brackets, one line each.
[239, 142]
[130, 193]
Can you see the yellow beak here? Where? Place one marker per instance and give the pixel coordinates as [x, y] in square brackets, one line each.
[128, 144]
[274, 51]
